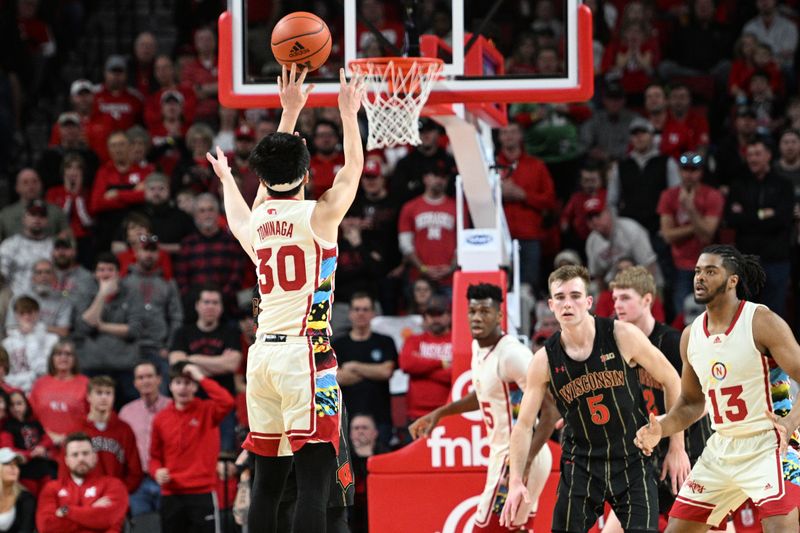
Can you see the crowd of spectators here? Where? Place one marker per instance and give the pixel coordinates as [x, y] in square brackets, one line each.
[122, 290]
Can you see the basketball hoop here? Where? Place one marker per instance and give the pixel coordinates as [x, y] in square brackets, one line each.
[400, 87]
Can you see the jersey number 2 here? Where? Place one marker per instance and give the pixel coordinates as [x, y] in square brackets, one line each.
[734, 401]
[266, 278]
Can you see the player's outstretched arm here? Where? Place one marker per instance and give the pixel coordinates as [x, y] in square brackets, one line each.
[334, 203]
[688, 408]
[548, 416]
[535, 389]
[293, 96]
[236, 210]
[423, 426]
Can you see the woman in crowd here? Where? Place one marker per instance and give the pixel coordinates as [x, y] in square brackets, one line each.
[28, 439]
[59, 398]
[17, 505]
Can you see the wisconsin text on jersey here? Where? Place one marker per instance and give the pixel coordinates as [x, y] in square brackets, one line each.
[591, 382]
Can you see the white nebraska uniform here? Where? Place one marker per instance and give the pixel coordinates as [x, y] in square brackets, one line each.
[498, 375]
[292, 395]
[741, 460]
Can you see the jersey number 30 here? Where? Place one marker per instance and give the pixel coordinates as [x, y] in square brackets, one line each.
[266, 277]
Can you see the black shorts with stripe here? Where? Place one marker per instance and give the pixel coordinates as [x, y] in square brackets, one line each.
[628, 485]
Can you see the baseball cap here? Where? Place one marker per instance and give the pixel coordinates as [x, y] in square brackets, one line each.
[245, 132]
[172, 95]
[640, 124]
[438, 305]
[36, 208]
[79, 86]
[7, 455]
[594, 206]
[115, 62]
[372, 168]
[69, 118]
[691, 160]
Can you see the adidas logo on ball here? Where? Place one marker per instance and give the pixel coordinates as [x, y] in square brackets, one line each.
[298, 50]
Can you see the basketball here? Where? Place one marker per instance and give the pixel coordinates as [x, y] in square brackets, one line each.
[301, 38]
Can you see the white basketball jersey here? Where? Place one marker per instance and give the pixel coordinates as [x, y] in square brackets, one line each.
[499, 399]
[733, 373]
[295, 269]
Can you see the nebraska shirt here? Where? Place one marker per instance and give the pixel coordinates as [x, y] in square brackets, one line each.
[422, 359]
[60, 404]
[708, 202]
[433, 225]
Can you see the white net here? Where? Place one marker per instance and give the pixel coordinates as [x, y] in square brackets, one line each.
[397, 89]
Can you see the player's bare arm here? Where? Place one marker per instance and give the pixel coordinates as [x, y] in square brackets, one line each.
[423, 426]
[535, 390]
[334, 203]
[548, 416]
[293, 96]
[237, 211]
[636, 348]
[688, 409]
[773, 336]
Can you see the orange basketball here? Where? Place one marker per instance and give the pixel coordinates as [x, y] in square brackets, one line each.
[301, 38]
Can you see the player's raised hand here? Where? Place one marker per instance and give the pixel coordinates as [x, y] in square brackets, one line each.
[422, 427]
[783, 430]
[350, 93]
[517, 494]
[677, 466]
[220, 164]
[290, 88]
[648, 436]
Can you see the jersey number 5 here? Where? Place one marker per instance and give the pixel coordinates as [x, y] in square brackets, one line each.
[266, 278]
[600, 413]
[734, 401]
[486, 409]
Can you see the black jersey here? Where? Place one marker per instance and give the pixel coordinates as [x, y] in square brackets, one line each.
[668, 340]
[600, 399]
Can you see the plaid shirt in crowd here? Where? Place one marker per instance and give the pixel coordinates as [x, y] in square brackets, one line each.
[218, 259]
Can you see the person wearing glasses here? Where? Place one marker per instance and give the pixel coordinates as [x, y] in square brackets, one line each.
[690, 216]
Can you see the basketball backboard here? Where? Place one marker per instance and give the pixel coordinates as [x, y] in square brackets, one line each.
[476, 68]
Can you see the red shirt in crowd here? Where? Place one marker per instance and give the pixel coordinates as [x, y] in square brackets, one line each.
[708, 201]
[696, 123]
[75, 206]
[117, 454]
[152, 105]
[95, 130]
[81, 516]
[433, 223]
[524, 217]
[196, 73]
[124, 106]
[675, 138]
[128, 258]
[60, 405]
[574, 213]
[427, 359]
[323, 170]
[108, 178]
[186, 441]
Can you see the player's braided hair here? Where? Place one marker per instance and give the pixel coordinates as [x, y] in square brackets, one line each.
[751, 274]
[483, 291]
